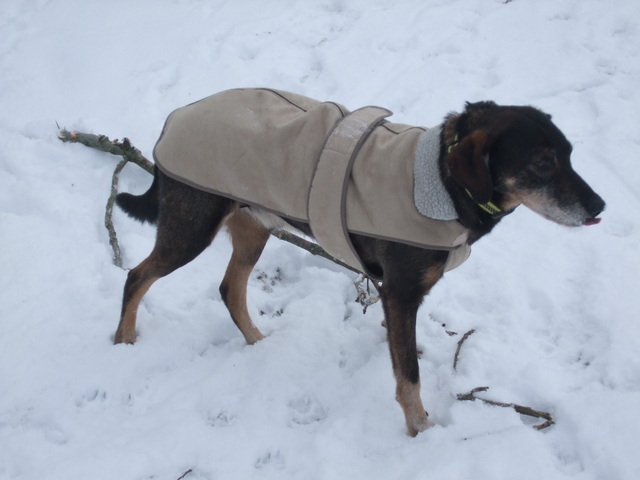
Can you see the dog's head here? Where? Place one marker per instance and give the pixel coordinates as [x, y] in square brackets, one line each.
[518, 155]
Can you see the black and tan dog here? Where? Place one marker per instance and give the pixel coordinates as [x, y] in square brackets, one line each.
[490, 159]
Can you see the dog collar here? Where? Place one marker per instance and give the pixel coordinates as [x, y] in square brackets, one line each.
[454, 144]
[489, 207]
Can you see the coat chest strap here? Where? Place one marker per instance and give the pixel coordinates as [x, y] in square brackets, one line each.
[328, 190]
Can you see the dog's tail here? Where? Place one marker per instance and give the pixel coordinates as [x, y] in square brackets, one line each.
[143, 208]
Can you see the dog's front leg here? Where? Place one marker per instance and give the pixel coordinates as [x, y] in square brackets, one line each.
[403, 289]
[400, 315]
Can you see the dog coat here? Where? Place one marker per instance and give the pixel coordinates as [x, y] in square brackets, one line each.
[318, 163]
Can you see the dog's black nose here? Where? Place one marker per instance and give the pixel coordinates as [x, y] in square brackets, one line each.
[595, 205]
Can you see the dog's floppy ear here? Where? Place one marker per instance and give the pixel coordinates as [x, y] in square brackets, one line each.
[468, 166]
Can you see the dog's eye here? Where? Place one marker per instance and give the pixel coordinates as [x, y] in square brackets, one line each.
[544, 163]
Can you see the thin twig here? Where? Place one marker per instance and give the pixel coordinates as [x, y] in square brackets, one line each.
[521, 409]
[364, 298]
[185, 474]
[460, 342]
[310, 247]
[108, 215]
[471, 394]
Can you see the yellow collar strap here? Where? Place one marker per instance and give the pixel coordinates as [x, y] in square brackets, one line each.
[454, 144]
[489, 207]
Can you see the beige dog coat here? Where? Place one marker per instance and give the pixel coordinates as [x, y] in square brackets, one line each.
[314, 162]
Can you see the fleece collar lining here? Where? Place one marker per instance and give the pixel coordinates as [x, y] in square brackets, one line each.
[429, 193]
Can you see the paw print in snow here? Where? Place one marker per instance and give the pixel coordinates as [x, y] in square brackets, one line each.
[306, 410]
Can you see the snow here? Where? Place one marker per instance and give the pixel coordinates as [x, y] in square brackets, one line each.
[555, 309]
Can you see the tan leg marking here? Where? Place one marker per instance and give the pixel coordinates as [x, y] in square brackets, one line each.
[248, 238]
[134, 290]
[408, 396]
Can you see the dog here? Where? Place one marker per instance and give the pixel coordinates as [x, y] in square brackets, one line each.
[490, 159]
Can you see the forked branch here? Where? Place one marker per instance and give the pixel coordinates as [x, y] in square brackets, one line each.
[103, 143]
[521, 409]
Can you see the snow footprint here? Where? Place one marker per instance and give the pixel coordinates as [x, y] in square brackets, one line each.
[270, 460]
[306, 410]
[221, 419]
[92, 397]
[270, 280]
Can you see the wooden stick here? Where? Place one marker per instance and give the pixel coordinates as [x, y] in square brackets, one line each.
[521, 409]
[460, 342]
[114, 147]
[310, 247]
[108, 214]
[185, 474]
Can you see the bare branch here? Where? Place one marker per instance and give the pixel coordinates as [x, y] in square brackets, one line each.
[108, 214]
[185, 474]
[102, 143]
[471, 395]
[310, 247]
[521, 409]
[460, 342]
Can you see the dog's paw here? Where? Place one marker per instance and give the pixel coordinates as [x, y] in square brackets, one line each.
[124, 337]
[419, 424]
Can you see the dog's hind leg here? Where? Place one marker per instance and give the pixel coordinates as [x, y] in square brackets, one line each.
[188, 221]
[248, 237]
[139, 280]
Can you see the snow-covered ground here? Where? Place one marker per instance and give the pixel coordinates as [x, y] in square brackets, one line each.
[555, 309]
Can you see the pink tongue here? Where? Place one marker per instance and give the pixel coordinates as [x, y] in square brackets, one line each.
[592, 221]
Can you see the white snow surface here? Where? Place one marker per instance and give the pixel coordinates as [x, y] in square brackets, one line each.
[555, 309]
